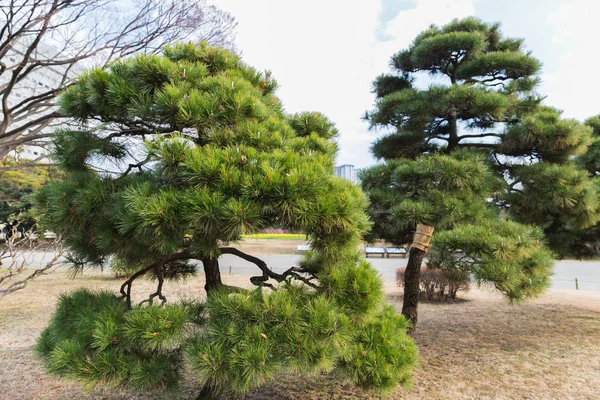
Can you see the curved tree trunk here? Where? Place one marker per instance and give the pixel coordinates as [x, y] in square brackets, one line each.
[412, 276]
[212, 274]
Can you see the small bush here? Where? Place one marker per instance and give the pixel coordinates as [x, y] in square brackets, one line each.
[440, 283]
[92, 338]
[250, 337]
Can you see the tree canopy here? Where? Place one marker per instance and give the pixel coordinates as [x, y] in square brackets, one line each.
[174, 158]
[451, 193]
[16, 192]
[483, 97]
[470, 150]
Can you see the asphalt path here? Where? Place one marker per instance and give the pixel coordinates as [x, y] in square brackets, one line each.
[565, 272]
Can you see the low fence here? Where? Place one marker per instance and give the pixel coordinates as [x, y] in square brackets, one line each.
[576, 282]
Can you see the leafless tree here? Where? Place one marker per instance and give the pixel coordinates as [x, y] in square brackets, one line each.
[44, 43]
[24, 257]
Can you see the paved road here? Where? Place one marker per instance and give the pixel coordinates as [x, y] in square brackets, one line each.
[565, 272]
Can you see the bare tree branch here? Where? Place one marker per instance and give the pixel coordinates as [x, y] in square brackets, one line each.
[17, 260]
[43, 43]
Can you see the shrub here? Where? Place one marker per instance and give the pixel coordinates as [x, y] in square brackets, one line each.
[253, 336]
[92, 338]
[235, 342]
[442, 283]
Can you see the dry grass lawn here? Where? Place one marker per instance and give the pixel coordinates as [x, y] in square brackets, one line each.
[481, 348]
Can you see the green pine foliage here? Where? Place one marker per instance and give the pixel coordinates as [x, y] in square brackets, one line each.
[253, 336]
[590, 160]
[510, 256]
[93, 339]
[574, 240]
[484, 99]
[230, 162]
[380, 356]
[561, 195]
[451, 192]
[438, 190]
[174, 159]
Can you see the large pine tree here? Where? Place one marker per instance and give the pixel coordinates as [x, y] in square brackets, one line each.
[481, 99]
[175, 158]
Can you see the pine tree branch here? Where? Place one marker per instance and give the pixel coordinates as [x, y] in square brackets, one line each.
[126, 286]
[158, 271]
[480, 145]
[490, 134]
[293, 272]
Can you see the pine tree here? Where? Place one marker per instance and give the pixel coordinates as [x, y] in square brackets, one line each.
[450, 193]
[175, 158]
[584, 242]
[481, 100]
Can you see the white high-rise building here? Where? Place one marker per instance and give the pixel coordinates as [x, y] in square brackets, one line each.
[37, 82]
[348, 172]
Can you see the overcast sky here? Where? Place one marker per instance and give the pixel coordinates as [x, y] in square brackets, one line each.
[326, 53]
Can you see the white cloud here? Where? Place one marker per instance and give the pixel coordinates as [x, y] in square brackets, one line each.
[409, 23]
[570, 85]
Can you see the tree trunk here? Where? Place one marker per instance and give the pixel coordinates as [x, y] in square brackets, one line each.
[212, 274]
[412, 276]
[213, 281]
[208, 393]
[453, 134]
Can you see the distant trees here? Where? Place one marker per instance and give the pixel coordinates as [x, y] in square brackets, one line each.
[16, 191]
[193, 150]
[20, 231]
[43, 44]
[482, 101]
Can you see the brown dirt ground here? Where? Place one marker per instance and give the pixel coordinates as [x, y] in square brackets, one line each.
[481, 348]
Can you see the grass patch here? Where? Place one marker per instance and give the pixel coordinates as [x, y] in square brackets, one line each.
[276, 236]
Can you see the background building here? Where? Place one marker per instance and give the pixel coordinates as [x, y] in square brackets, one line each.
[347, 171]
[38, 82]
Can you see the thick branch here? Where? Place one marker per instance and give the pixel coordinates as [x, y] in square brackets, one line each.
[479, 145]
[498, 135]
[126, 286]
[293, 272]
